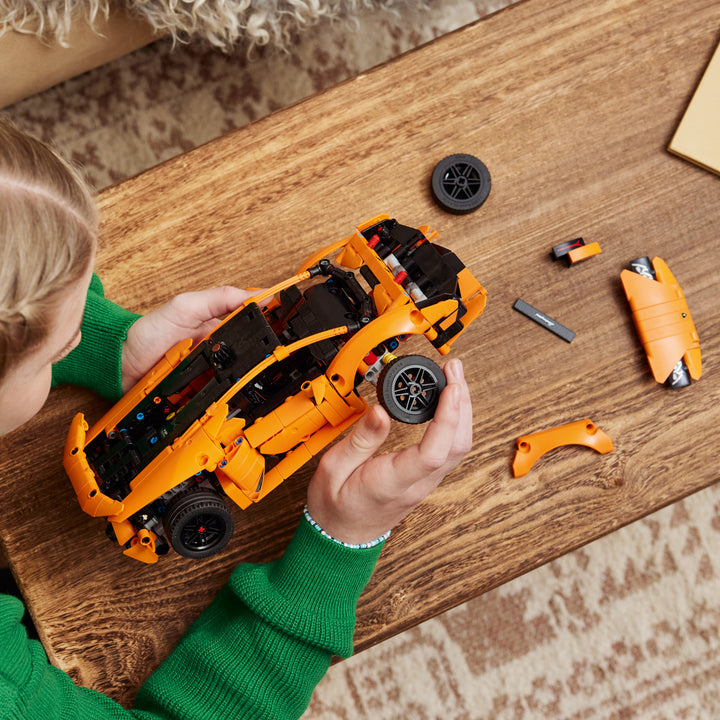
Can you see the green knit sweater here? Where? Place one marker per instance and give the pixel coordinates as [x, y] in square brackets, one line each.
[257, 651]
[95, 362]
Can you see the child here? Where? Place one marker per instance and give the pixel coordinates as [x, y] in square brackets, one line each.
[263, 644]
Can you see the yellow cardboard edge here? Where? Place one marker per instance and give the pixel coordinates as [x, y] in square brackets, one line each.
[697, 137]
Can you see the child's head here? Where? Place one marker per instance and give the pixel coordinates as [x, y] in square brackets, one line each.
[48, 226]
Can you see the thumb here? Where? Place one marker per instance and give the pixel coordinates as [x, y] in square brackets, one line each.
[369, 433]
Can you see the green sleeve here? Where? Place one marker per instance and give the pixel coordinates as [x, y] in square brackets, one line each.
[257, 652]
[95, 362]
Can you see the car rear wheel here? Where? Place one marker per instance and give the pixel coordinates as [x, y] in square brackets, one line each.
[409, 388]
[198, 523]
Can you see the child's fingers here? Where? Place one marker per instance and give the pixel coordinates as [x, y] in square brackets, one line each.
[218, 302]
[193, 309]
[434, 455]
[454, 371]
[439, 443]
[369, 433]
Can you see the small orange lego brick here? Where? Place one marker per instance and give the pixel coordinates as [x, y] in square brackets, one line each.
[583, 252]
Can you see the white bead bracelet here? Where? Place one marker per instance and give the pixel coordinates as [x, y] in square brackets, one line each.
[353, 546]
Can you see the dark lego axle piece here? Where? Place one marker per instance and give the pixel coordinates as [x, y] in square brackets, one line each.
[542, 319]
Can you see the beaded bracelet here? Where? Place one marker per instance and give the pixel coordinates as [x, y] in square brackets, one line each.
[352, 546]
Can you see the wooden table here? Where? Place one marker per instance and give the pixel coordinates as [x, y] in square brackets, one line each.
[571, 106]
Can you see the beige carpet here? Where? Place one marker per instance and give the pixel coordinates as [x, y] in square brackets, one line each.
[628, 627]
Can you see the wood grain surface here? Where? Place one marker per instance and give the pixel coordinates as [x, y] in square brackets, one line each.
[571, 106]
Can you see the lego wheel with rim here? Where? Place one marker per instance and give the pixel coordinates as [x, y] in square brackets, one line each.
[198, 523]
[409, 388]
[460, 183]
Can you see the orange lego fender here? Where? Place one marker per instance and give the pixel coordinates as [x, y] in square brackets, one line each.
[583, 432]
[663, 321]
[83, 480]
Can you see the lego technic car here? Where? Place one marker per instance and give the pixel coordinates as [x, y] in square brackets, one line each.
[271, 386]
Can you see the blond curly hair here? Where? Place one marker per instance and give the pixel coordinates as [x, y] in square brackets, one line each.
[48, 231]
[222, 23]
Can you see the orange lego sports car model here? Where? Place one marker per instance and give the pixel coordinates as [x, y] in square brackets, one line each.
[271, 386]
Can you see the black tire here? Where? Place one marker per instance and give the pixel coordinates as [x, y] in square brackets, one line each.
[409, 388]
[460, 183]
[198, 523]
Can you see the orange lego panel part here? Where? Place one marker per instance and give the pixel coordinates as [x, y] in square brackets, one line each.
[663, 322]
[83, 480]
[583, 252]
[583, 432]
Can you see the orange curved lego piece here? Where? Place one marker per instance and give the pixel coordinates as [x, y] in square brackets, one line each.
[583, 432]
[663, 321]
[404, 319]
[83, 480]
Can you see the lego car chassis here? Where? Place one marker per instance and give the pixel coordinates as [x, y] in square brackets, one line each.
[269, 388]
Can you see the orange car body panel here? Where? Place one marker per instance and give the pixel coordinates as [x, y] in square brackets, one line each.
[663, 322]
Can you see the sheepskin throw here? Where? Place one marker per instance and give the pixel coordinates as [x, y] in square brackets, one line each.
[222, 23]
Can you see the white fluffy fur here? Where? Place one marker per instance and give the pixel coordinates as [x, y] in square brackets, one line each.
[220, 22]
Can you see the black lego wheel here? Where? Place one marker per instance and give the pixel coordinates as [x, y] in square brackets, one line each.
[198, 523]
[460, 183]
[409, 388]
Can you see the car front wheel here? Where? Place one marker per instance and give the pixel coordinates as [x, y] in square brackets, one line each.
[409, 388]
[198, 523]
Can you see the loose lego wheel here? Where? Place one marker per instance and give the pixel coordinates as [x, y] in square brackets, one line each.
[460, 183]
[198, 523]
[409, 388]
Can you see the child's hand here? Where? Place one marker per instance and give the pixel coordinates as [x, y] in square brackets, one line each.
[190, 315]
[356, 497]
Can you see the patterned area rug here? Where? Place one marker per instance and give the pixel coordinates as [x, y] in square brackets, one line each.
[628, 627]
